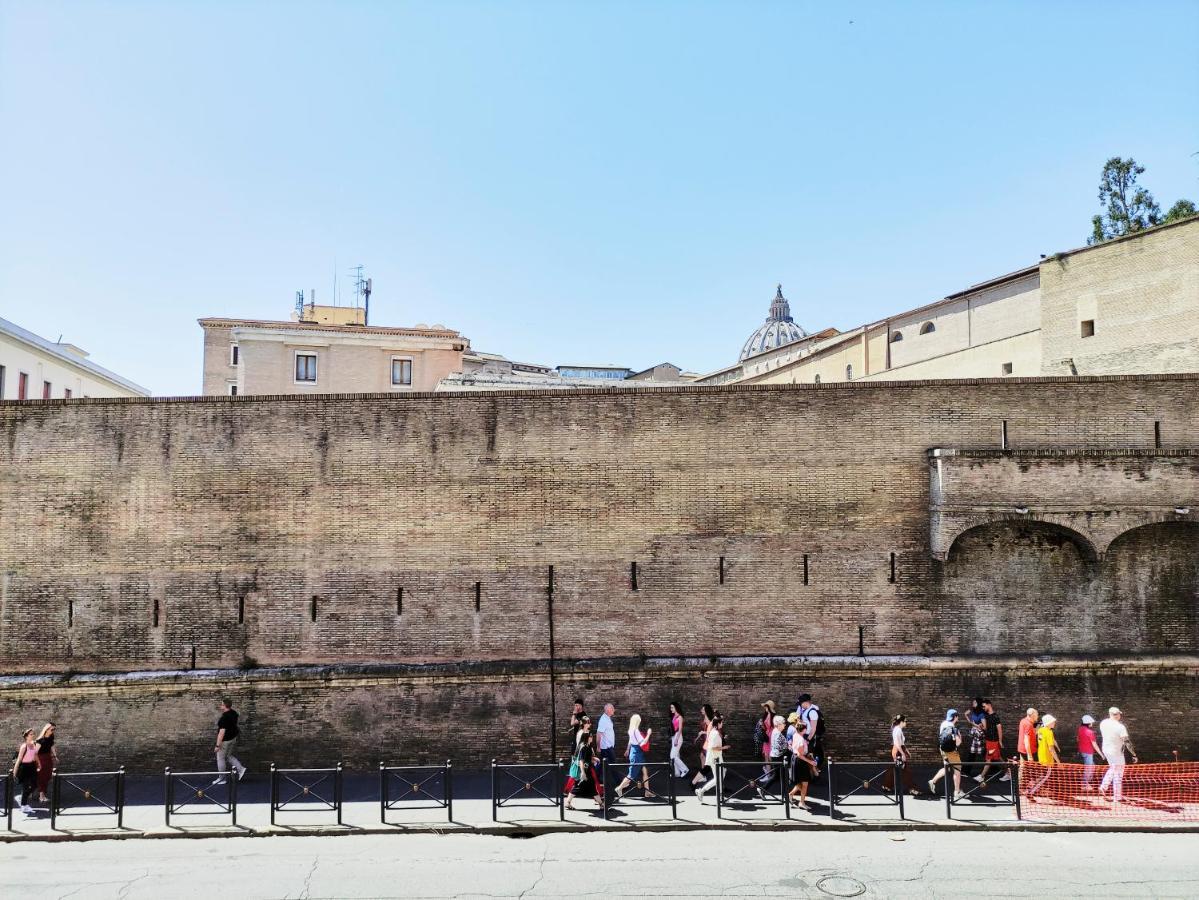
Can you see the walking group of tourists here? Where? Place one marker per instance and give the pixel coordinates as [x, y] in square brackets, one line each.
[34, 765]
[792, 745]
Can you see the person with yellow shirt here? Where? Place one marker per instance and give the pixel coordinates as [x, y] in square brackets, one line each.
[1047, 753]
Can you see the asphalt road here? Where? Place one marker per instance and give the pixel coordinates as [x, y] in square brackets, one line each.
[690, 864]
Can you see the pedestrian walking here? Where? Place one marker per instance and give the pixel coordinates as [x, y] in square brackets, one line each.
[779, 751]
[763, 727]
[576, 721]
[713, 753]
[676, 741]
[637, 750]
[584, 728]
[25, 768]
[227, 734]
[975, 742]
[949, 739]
[803, 770]
[900, 757]
[47, 758]
[992, 742]
[1047, 754]
[812, 720]
[1114, 735]
[1026, 738]
[706, 715]
[605, 735]
[584, 781]
[1088, 749]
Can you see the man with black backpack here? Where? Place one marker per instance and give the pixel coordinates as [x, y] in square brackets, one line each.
[948, 741]
[813, 723]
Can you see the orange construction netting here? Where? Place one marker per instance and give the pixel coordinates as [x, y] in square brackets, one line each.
[1163, 791]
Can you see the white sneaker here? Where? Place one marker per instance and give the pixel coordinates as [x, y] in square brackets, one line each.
[932, 786]
[241, 773]
[218, 781]
[28, 810]
[958, 795]
[978, 778]
[1007, 776]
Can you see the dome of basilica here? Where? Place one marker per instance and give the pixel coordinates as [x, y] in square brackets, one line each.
[778, 331]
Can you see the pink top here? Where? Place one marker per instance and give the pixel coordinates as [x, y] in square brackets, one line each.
[29, 753]
[1086, 739]
[676, 722]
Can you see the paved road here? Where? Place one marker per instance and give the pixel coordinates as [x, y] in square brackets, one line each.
[694, 864]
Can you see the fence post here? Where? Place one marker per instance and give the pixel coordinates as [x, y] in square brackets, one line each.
[382, 793]
[168, 793]
[948, 788]
[605, 794]
[54, 796]
[494, 816]
[233, 799]
[274, 791]
[898, 763]
[674, 808]
[8, 798]
[832, 795]
[120, 797]
[449, 792]
[560, 784]
[1015, 770]
[785, 786]
[719, 774]
[337, 791]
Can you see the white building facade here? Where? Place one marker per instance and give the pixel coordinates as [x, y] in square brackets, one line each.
[34, 368]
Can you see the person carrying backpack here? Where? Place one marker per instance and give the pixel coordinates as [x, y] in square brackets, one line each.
[814, 726]
[948, 741]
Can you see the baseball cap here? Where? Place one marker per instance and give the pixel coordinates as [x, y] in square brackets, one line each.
[1114, 711]
[1088, 720]
[950, 714]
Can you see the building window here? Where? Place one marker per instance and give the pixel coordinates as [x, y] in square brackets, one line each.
[233, 390]
[23, 386]
[401, 371]
[45, 390]
[1007, 368]
[306, 367]
[896, 337]
[233, 354]
[849, 372]
[817, 379]
[928, 328]
[1088, 328]
[66, 393]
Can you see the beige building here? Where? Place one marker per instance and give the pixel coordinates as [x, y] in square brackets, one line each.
[1127, 306]
[331, 354]
[33, 368]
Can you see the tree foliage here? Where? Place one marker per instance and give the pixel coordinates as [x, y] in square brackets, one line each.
[1183, 209]
[1128, 207]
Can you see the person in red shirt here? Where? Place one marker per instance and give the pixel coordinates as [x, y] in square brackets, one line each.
[1026, 741]
[1088, 749]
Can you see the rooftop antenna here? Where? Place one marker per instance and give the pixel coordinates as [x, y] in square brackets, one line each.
[300, 305]
[362, 292]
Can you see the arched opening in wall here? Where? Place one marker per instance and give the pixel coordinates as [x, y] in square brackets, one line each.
[1021, 587]
[928, 328]
[896, 337]
[849, 372]
[817, 381]
[1152, 574]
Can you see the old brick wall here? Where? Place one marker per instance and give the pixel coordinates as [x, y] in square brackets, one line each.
[259, 531]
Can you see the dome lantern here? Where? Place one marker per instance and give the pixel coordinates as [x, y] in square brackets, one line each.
[778, 331]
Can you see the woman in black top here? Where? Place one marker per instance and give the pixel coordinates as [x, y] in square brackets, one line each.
[47, 758]
[586, 785]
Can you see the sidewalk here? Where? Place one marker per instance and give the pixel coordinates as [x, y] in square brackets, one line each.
[472, 813]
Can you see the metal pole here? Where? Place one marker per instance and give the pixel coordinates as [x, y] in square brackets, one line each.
[233, 800]
[785, 787]
[1015, 770]
[670, 786]
[449, 792]
[948, 792]
[382, 794]
[494, 815]
[832, 796]
[274, 790]
[337, 791]
[899, 788]
[8, 798]
[168, 793]
[559, 782]
[719, 785]
[54, 797]
[606, 792]
[120, 797]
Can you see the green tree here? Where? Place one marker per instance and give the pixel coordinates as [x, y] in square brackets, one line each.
[1183, 209]
[1128, 207]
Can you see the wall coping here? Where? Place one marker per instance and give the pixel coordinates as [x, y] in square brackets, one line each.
[560, 394]
[1065, 452]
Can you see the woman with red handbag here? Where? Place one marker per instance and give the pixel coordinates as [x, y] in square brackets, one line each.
[636, 753]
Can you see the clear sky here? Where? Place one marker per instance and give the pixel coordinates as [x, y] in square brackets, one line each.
[562, 182]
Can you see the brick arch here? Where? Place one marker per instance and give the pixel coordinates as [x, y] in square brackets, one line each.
[1085, 545]
[1171, 524]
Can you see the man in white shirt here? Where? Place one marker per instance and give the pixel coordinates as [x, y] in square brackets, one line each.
[607, 734]
[1115, 739]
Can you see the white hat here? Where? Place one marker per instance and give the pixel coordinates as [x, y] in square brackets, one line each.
[1114, 711]
[1048, 721]
[1088, 720]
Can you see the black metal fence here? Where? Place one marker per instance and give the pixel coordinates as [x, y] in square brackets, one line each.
[641, 788]
[742, 783]
[865, 783]
[306, 790]
[536, 784]
[87, 794]
[991, 792]
[199, 794]
[8, 799]
[416, 787]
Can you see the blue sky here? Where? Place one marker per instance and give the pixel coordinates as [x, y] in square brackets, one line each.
[562, 182]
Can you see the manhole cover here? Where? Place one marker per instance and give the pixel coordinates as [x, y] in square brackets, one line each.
[840, 886]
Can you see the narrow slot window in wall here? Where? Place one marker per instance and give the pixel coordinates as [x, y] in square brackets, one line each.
[241, 610]
[312, 608]
[1087, 328]
[892, 578]
[1157, 435]
[722, 570]
[1003, 444]
[157, 612]
[805, 568]
[633, 575]
[550, 584]
[861, 640]
[399, 601]
[70, 613]
[478, 595]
